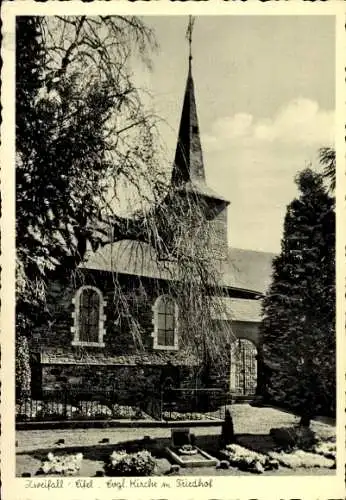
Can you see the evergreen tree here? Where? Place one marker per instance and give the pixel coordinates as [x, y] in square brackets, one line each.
[299, 310]
[328, 162]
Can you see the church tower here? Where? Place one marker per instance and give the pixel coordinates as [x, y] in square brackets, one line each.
[188, 174]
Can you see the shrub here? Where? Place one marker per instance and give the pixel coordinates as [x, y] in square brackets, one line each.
[23, 370]
[176, 416]
[121, 463]
[248, 460]
[326, 448]
[48, 412]
[28, 409]
[301, 458]
[22, 417]
[64, 465]
[289, 438]
[94, 410]
[128, 412]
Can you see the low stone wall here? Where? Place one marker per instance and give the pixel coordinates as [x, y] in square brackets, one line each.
[100, 378]
[130, 383]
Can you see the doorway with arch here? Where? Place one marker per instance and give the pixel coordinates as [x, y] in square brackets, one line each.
[243, 369]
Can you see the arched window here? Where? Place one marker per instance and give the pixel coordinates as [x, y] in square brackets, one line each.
[89, 319]
[165, 323]
[243, 376]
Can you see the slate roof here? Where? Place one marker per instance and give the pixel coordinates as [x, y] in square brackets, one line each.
[130, 257]
[229, 309]
[201, 187]
[248, 269]
[243, 269]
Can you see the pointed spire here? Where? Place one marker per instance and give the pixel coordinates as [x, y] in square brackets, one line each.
[188, 168]
[188, 162]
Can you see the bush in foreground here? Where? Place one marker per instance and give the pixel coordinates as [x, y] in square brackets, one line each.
[326, 449]
[301, 458]
[64, 465]
[290, 438]
[248, 460]
[121, 463]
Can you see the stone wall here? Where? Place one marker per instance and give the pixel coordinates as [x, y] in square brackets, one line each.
[58, 364]
[125, 380]
[121, 332]
[218, 244]
[247, 330]
[126, 384]
[109, 367]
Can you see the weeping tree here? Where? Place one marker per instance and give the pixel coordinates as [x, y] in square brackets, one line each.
[298, 326]
[78, 116]
[79, 124]
[179, 241]
[82, 134]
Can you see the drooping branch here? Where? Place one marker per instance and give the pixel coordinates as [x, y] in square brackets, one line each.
[82, 134]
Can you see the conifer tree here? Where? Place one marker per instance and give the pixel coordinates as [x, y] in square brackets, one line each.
[328, 163]
[299, 310]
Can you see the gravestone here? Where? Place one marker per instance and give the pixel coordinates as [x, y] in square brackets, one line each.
[180, 437]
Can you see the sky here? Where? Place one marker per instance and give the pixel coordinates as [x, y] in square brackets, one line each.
[265, 96]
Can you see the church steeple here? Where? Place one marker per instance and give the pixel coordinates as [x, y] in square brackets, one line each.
[188, 174]
[188, 162]
[188, 168]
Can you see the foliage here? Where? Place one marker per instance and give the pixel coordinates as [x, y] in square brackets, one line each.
[299, 309]
[300, 458]
[288, 438]
[83, 410]
[328, 162]
[326, 448]
[176, 416]
[64, 465]
[121, 463]
[75, 101]
[23, 371]
[248, 460]
[83, 134]
[188, 449]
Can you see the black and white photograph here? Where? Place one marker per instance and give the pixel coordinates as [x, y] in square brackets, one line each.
[175, 268]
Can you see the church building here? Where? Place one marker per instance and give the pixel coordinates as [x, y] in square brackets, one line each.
[87, 343]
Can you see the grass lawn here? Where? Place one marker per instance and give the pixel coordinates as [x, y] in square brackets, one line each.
[252, 426]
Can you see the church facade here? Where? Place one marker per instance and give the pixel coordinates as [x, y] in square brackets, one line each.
[87, 343]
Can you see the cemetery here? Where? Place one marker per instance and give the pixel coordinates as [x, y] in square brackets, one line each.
[149, 340]
[259, 441]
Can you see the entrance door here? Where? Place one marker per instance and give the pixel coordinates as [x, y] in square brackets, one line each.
[243, 377]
